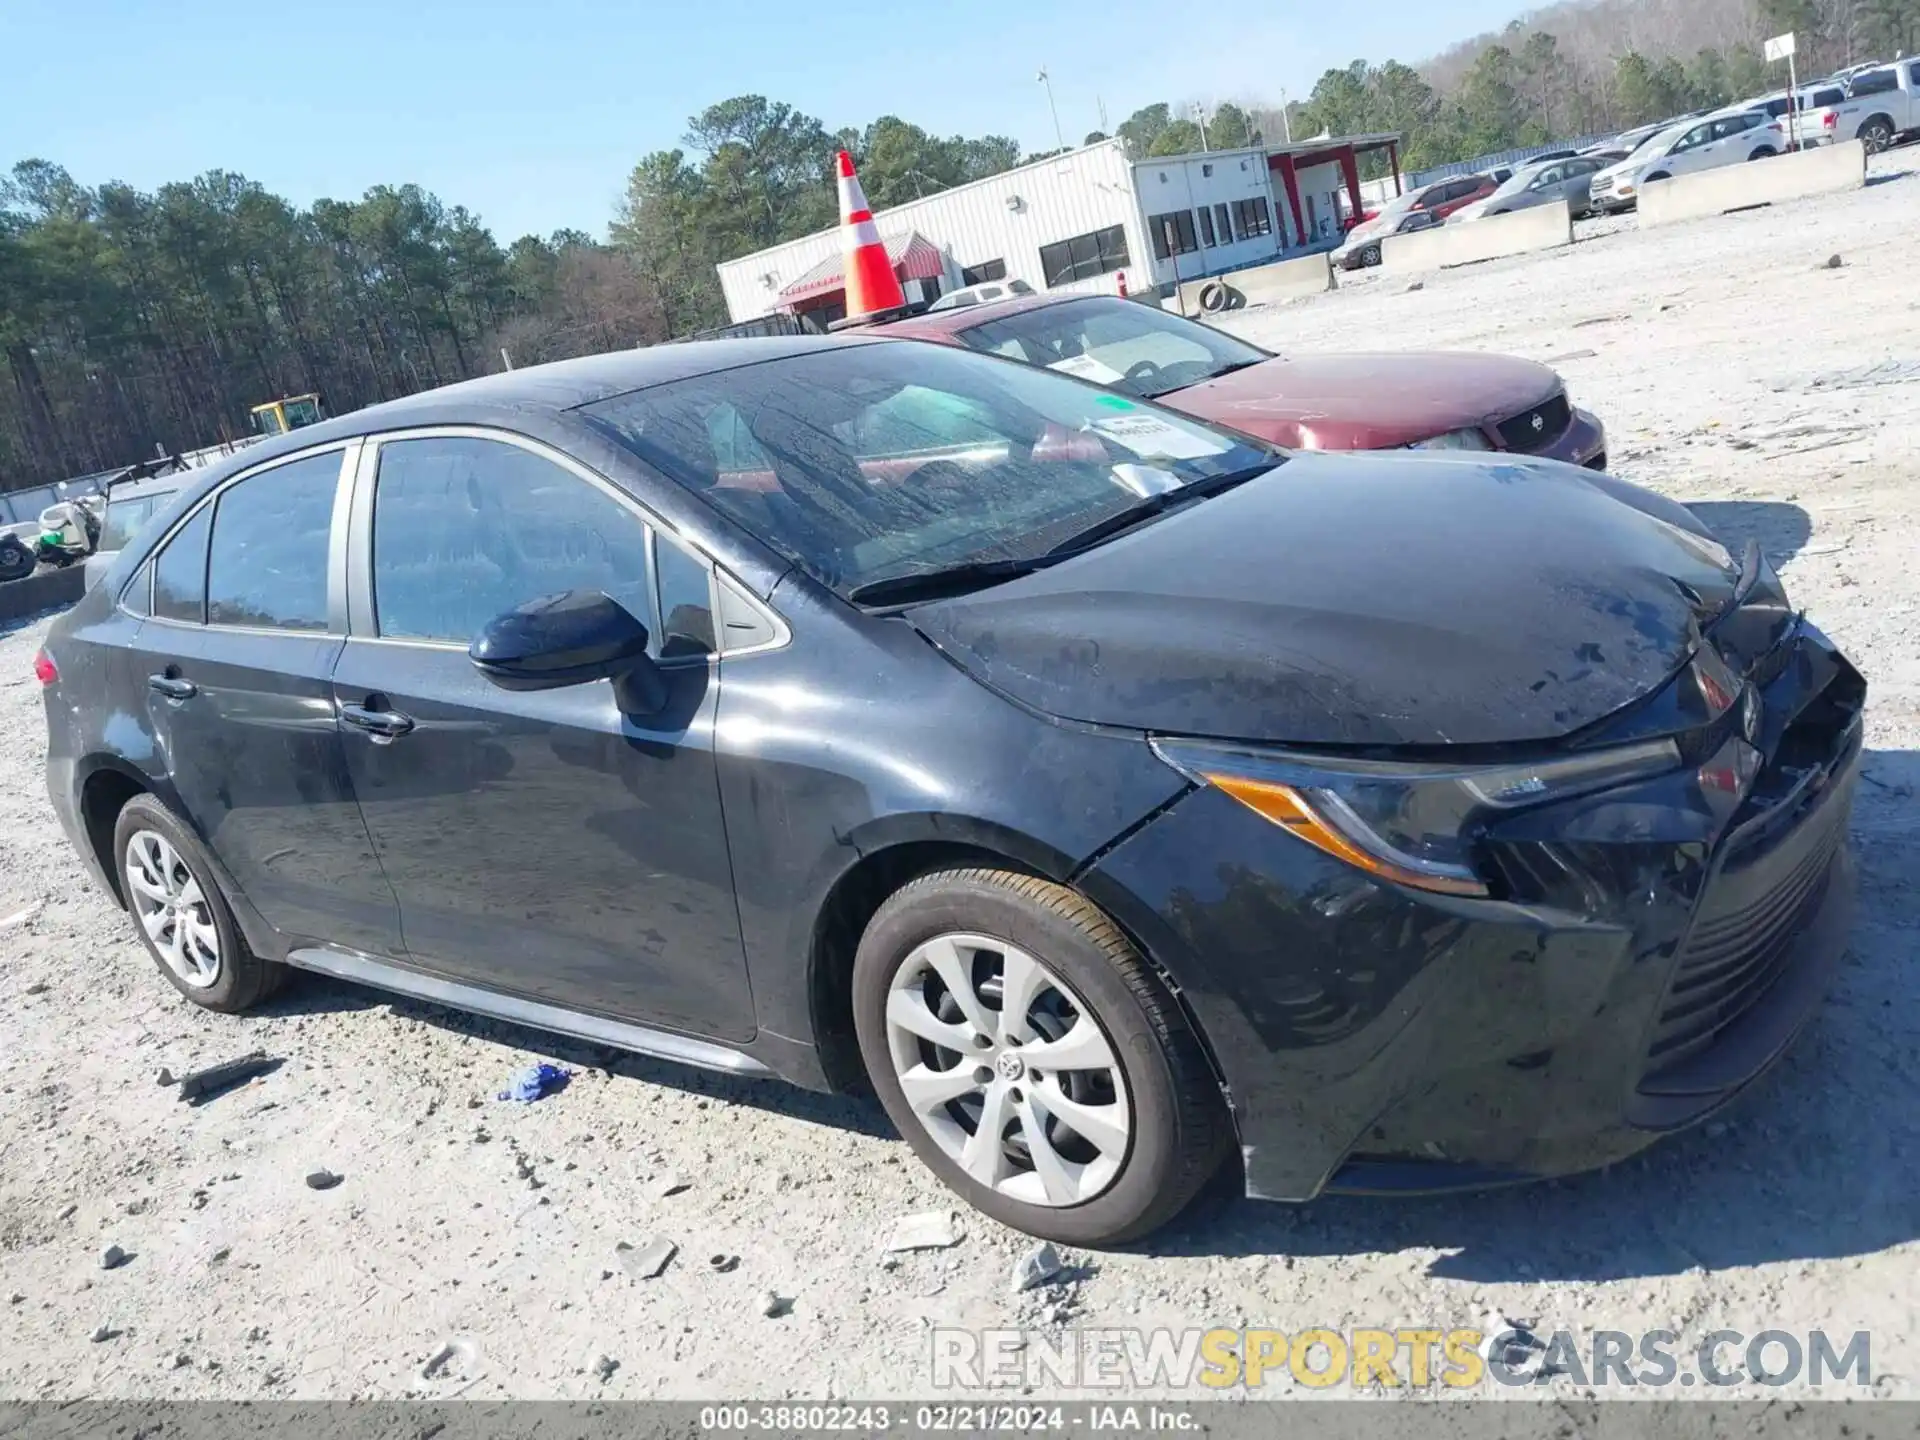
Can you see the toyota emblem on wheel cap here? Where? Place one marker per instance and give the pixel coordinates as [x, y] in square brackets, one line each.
[1539, 422]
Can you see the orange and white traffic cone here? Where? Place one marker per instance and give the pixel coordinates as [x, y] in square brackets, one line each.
[872, 287]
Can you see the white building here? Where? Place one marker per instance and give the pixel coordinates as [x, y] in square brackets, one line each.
[1082, 221]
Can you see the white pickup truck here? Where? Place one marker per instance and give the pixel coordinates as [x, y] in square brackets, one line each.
[1882, 105]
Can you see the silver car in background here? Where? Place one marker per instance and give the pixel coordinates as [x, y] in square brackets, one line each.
[1544, 182]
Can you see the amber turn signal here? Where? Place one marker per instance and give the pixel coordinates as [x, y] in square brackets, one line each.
[1294, 813]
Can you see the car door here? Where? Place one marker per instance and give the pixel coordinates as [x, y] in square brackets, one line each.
[246, 616]
[541, 843]
[1685, 154]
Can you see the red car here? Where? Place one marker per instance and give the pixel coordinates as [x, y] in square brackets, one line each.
[1443, 197]
[1446, 401]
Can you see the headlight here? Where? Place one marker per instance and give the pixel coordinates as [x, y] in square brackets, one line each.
[1408, 823]
[1455, 440]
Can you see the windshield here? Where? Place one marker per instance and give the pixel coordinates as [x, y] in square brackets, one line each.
[124, 519]
[896, 457]
[1121, 344]
[1651, 141]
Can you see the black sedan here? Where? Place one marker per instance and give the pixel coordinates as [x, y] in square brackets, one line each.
[1114, 793]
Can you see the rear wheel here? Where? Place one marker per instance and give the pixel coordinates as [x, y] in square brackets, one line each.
[1763, 153]
[183, 919]
[1032, 1059]
[1877, 134]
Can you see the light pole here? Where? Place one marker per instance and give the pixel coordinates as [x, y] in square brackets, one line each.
[1200, 119]
[1047, 81]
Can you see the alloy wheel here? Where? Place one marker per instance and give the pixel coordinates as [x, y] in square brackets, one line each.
[1007, 1070]
[173, 909]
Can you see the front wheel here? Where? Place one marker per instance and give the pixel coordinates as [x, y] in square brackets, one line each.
[1370, 257]
[1032, 1059]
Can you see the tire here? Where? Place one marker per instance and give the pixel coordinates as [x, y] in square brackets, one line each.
[1877, 134]
[1659, 175]
[1166, 1127]
[1213, 297]
[237, 979]
[16, 560]
[1763, 153]
[1370, 257]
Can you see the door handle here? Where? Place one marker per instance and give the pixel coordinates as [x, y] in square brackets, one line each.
[382, 726]
[172, 686]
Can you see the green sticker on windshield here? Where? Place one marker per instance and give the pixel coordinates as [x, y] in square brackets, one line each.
[1114, 402]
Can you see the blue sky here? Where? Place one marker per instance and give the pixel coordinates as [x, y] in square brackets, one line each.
[532, 113]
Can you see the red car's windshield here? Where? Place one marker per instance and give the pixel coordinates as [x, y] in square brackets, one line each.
[1121, 344]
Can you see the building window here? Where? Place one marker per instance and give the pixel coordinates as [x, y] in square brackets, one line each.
[1222, 226]
[983, 272]
[1206, 172]
[1250, 217]
[1085, 256]
[1173, 233]
[1206, 228]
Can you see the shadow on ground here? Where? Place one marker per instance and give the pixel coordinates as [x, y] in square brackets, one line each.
[318, 994]
[1781, 529]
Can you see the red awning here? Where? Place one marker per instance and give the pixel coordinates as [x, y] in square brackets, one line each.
[914, 257]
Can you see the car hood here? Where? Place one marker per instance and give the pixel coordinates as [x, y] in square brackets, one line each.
[1358, 601]
[1367, 402]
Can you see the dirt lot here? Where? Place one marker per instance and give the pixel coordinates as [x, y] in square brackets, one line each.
[1735, 372]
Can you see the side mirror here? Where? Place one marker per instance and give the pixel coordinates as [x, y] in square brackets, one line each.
[571, 639]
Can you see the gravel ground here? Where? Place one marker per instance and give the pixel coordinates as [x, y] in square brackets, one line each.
[1734, 371]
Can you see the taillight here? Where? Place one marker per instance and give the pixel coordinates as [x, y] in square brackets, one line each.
[1830, 120]
[44, 670]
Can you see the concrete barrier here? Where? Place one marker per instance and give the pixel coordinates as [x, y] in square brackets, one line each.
[45, 591]
[1468, 242]
[1825, 170]
[1263, 284]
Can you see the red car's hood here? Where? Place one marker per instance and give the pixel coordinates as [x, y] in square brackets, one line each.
[1367, 402]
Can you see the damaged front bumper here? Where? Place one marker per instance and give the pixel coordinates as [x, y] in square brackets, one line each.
[1649, 951]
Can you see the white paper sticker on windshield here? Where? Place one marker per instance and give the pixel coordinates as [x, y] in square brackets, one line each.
[1150, 437]
[1087, 368]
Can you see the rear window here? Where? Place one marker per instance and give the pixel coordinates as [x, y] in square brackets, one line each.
[125, 518]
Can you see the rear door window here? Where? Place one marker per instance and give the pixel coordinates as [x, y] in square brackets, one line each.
[1875, 82]
[267, 563]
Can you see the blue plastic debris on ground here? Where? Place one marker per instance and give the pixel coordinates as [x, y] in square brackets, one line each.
[536, 1082]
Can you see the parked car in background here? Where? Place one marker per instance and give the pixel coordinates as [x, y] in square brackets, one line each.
[984, 293]
[1444, 197]
[1882, 107]
[1117, 795]
[1541, 183]
[1361, 249]
[1815, 124]
[1728, 138]
[1308, 401]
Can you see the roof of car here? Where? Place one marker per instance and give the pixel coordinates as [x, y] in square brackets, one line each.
[556, 386]
[965, 317]
[153, 485]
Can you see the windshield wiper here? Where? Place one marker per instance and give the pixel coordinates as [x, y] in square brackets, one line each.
[936, 584]
[1144, 510]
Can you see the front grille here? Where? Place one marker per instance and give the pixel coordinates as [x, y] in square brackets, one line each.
[1734, 956]
[1535, 429]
